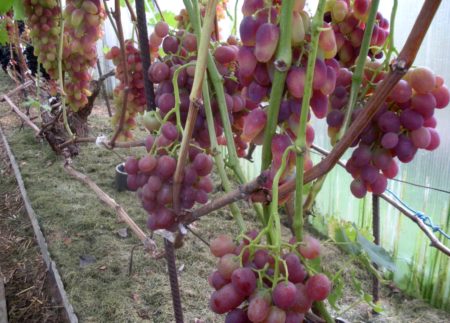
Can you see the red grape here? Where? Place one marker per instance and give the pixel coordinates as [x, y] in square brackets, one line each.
[161, 29]
[223, 244]
[266, 41]
[225, 299]
[284, 295]
[259, 307]
[310, 247]
[227, 264]
[318, 287]
[244, 281]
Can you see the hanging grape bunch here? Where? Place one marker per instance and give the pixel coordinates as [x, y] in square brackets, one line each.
[180, 48]
[250, 289]
[348, 26]
[136, 100]
[348, 23]
[44, 20]
[403, 126]
[84, 19]
[405, 123]
[259, 32]
[152, 177]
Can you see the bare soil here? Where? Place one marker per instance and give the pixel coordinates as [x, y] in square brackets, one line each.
[27, 288]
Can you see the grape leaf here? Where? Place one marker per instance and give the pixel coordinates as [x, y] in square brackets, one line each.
[336, 292]
[169, 17]
[376, 253]
[369, 300]
[314, 264]
[19, 10]
[341, 236]
[356, 284]
[5, 6]
[4, 39]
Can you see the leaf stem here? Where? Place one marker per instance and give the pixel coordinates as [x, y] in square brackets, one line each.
[61, 77]
[218, 158]
[195, 101]
[301, 146]
[282, 63]
[360, 62]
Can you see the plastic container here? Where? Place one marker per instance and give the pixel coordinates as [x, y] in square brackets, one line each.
[121, 178]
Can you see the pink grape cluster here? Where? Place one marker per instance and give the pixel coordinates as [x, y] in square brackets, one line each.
[180, 48]
[347, 20]
[244, 281]
[136, 100]
[260, 36]
[152, 177]
[405, 124]
[44, 21]
[84, 19]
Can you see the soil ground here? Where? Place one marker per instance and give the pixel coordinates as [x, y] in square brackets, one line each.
[27, 287]
[79, 228]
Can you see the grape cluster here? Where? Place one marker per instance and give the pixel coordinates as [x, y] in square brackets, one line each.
[180, 48]
[245, 286]
[152, 176]
[259, 31]
[83, 28]
[44, 21]
[404, 125]
[347, 21]
[136, 100]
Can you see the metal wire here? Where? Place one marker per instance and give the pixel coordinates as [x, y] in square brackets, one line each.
[423, 217]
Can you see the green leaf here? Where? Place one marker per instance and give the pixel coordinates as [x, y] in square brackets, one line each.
[368, 298]
[19, 10]
[377, 308]
[314, 265]
[4, 39]
[32, 103]
[349, 246]
[357, 284]
[376, 253]
[5, 6]
[336, 293]
[46, 107]
[169, 17]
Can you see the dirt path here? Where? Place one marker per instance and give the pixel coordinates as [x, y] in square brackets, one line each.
[21, 265]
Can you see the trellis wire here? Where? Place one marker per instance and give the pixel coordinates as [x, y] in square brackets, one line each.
[423, 217]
